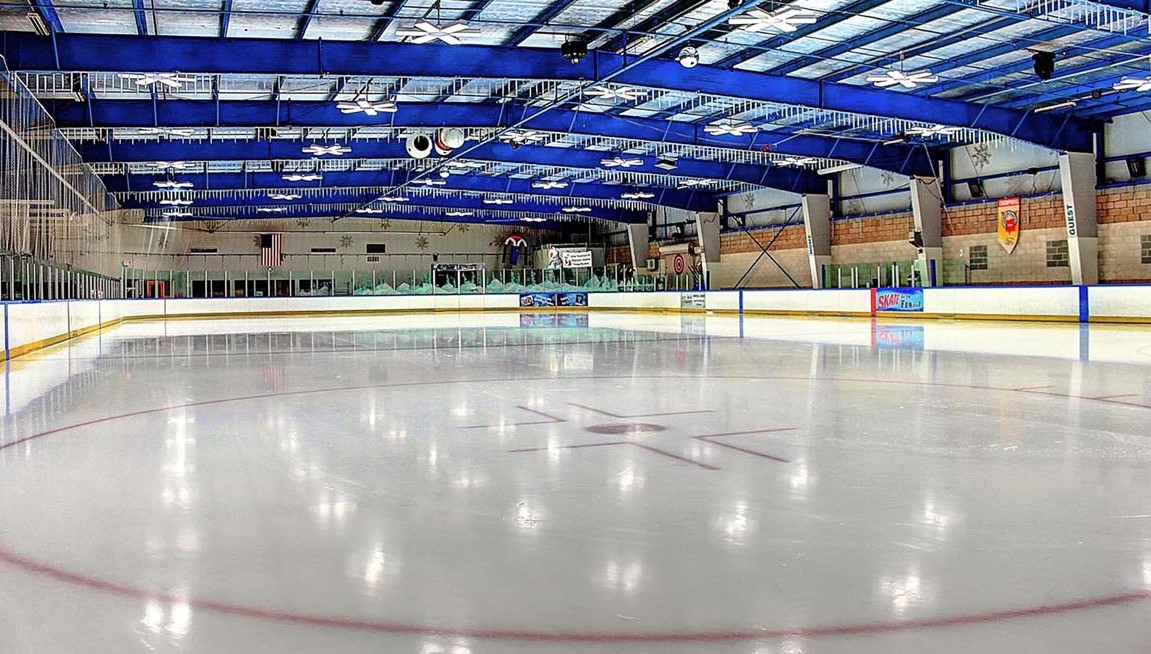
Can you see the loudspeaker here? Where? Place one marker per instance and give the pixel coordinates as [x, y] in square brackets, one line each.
[448, 139]
[1137, 166]
[975, 188]
[419, 146]
[1044, 64]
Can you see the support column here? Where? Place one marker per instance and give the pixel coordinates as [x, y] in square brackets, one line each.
[637, 238]
[1077, 170]
[817, 224]
[927, 208]
[707, 231]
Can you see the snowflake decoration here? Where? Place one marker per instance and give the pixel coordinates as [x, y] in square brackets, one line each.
[256, 240]
[386, 223]
[888, 178]
[303, 221]
[463, 228]
[345, 242]
[981, 156]
[422, 243]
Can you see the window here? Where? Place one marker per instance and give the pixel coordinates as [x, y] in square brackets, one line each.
[203, 250]
[1145, 247]
[977, 257]
[1057, 254]
[323, 250]
[377, 248]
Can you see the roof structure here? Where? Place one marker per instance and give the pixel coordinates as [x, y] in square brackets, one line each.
[676, 103]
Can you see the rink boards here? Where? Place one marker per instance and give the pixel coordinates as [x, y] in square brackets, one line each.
[28, 326]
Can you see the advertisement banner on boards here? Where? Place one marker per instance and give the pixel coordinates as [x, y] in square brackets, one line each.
[1009, 222]
[537, 299]
[576, 299]
[898, 299]
[692, 300]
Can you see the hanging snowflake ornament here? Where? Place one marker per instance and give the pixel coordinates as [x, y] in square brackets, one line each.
[303, 177]
[1137, 84]
[730, 127]
[426, 32]
[367, 107]
[621, 162]
[548, 185]
[787, 19]
[927, 131]
[797, 162]
[172, 185]
[317, 150]
[170, 80]
[888, 78]
[369, 210]
[625, 93]
[637, 195]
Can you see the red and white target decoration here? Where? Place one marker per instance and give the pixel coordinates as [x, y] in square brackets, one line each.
[678, 264]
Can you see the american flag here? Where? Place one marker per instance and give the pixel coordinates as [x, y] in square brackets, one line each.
[271, 250]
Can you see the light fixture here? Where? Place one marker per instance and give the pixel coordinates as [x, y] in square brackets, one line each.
[369, 210]
[303, 177]
[666, 163]
[1044, 64]
[576, 209]
[284, 196]
[168, 131]
[574, 50]
[518, 137]
[838, 168]
[456, 213]
[395, 198]
[787, 19]
[688, 57]
[932, 130]
[175, 202]
[637, 195]
[176, 214]
[497, 201]
[38, 24]
[429, 182]
[271, 209]
[533, 220]
[426, 32]
[445, 173]
[891, 77]
[365, 106]
[547, 185]
[171, 80]
[797, 162]
[318, 150]
[625, 93]
[694, 183]
[172, 185]
[170, 165]
[1138, 84]
[730, 127]
[1065, 104]
[621, 162]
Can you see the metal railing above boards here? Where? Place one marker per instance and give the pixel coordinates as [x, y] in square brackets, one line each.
[308, 283]
[888, 274]
[24, 278]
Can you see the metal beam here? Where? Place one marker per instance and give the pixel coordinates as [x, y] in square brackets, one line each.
[786, 179]
[47, 13]
[306, 18]
[141, 15]
[225, 18]
[903, 159]
[336, 182]
[120, 54]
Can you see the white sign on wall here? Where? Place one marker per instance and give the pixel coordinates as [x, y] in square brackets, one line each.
[576, 258]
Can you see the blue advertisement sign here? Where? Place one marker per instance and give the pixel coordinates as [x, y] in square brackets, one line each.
[899, 337]
[898, 299]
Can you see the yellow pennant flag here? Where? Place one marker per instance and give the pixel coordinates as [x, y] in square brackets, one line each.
[1009, 223]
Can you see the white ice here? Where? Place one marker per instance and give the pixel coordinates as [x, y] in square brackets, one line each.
[614, 483]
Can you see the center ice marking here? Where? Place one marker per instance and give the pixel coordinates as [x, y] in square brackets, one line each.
[639, 429]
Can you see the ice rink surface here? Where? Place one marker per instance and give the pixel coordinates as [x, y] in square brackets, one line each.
[614, 483]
